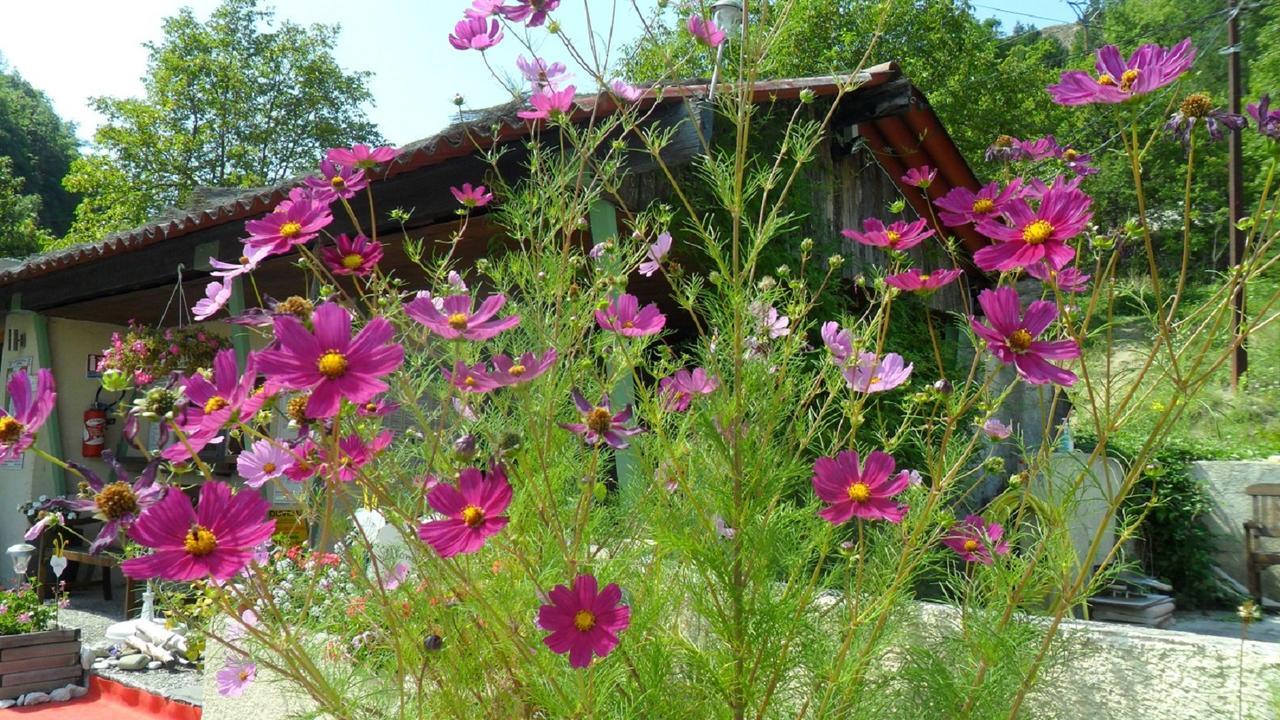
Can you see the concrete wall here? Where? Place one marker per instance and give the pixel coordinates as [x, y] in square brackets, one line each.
[1226, 482]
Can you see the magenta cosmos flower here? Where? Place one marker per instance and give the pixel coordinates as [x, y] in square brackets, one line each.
[962, 206]
[361, 157]
[915, 281]
[975, 540]
[542, 74]
[236, 675]
[865, 492]
[532, 12]
[471, 378]
[1150, 68]
[599, 423]
[117, 504]
[547, 103]
[330, 362]
[226, 396]
[839, 342]
[996, 430]
[1068, 280]
[455, 320]
[1012, 337]
[582, 621]
[353, 454]
[921, 177]
[657, 251]
[216, 295]
[352, 256]
[704, 31]
[1076, 161]
[476, 34]
[1267, 120]
[528, 366]
[1038, 149]
[263, 462]
[294, 221]
[678, 390]
[337, 181]
[626, 90]
[473, 512]
[873, 374]
[625, 317]
[899, 235]
[1036, 235]
[472, 196]
[215, 540]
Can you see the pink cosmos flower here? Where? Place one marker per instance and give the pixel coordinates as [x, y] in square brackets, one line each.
[396, 577]
[541, 74]
[263, 462]
[337, 181]
[1012, 337]
[472, 379]
[996, 430]
[705, 31]
[915, 281]
[921, 177]
[306, 461]
[678, 390]
[361, 157]
[330, 362]
[509, 372]
[548, 103]
[1150, 68]
[215, 540]
[657, 251]
[872, 374]
[582, 621]
[1267, 120]
[237, 674]
[961, 206]
[353, 454]
[900, 235]
[1038, 149]
[473, 512]
[626, 90]
[599, 423]
[353, 256]
[1076, 161]
[472, 197]
[455, 320]
[294, 221]
[1035, 235]
[1069, 280]
[975, 540]
[218, 401]
[216, 295]
[380, 407]
[47, 520]
[118, 503]
[483, 8]
[625, 317]
[229, 271]
[532, 12]
[475, 34]
[839, 342]
[865, 492]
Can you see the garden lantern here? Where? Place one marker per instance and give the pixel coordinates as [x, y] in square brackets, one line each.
[727, 13]
[20, 554]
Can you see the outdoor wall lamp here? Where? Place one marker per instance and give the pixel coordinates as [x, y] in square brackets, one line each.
[727, 14]
[20, 554]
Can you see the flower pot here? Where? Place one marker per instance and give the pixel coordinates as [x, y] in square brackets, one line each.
[39, 662]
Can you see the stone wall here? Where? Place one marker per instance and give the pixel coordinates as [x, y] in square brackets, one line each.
[1226, 482]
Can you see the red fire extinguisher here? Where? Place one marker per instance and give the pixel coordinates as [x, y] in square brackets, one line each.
[95, 431]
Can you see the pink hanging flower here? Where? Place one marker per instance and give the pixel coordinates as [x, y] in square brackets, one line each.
[396, 577]
[865, 491]
[541, 74]
[1068, 280]
[216, 296]
[582, 621]
[215, 540]
[472, 197]
[839, 342]
[1150, 68]
[532, 12]
[705, 31]
[625, 317]
[873, 375]
[1011, 337]
[976, 540]
[962, 206]
[475, 34]
[472, 379]
[921, 177]
[509, 372]
[455, 320]
[473, 512]
[678, 390]
[599, 423]
[353, 454]
[235, 676]
[352, 256]
[483, 8]
[899, 235]
[337, 181]
[996, 430]
[361, 157]
[626, 90]
[330, 362]
[1035, 235]
[657, 251]
[263, 462]
[915, 281]
[548, 103]
[294, 221]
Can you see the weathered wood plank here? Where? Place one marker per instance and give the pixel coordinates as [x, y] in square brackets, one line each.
[47, 675]
[39, 638]
[32, 651]
[8, 693]
[38, 663]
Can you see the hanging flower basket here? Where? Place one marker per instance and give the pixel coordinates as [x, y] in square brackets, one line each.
[144, 355]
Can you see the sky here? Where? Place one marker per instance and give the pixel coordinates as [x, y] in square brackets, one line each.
[94, 48]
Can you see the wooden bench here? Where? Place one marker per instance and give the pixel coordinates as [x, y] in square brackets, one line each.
[1265, 524]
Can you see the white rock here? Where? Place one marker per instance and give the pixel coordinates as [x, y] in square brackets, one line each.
[136, 661]
[100, 665]
[60, 695]
[113, 661]
[155, 665]
[77, 691]
[6, 704]
[33, 698]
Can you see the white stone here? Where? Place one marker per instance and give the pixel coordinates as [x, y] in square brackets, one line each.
[6, 704]
[34, 698]
[87, 657]
[155, 665]
[60, 695]
[133, 662]
[77, 691]
[100, 665]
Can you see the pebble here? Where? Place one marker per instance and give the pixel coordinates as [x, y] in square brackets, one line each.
[77, 691]
[33, 698]
[100, 665]
[155, 665]
[6, 704]
[136, 661]
[60, 695]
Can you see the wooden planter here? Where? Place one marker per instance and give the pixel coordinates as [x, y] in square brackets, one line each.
[39, 662]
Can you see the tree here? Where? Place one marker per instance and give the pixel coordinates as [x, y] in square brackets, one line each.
[40, 147]
[20, 231]
[235, 101]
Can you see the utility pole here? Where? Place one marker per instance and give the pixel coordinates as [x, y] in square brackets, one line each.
[1235, 191]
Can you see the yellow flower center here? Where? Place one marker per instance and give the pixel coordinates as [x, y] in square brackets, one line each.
[1020, 340]
[600, 420]
[268, 468]
[628, 324]
[1037, 232]
[1197, 105]
[1129, 78]
[244, 676]
[300, 308]
[297, 408]
[290, 229]
[1106, 80]
[470, 381]
[200, 541]
[1070, 154]
[458, 321]
[875, 380]
[970, 545]
[214, 404]
[10, 430]
[924, 277]
[337, 182]
[893, 237]
[983, 206]
[472, 516]
[584, 620]
[859, 492]
[516, 370]
[353, 261]
[116, 500]
[244, 259]
[332, 364]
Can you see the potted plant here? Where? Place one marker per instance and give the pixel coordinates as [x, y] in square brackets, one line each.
[35, 654]
[145, 355]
